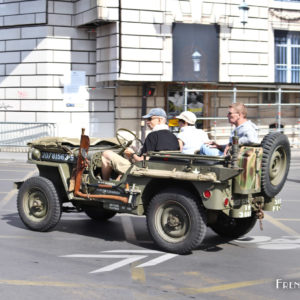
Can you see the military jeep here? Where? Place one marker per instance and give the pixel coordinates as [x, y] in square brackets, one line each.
[181, 195]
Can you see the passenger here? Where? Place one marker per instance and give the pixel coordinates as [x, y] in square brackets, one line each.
[190, 138]
[158, 140]
[245, 129]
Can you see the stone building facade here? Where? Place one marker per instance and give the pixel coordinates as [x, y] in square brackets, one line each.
[78, 63]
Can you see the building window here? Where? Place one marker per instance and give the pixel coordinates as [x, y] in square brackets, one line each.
[272, 97]
[177, 103]
[287, 57]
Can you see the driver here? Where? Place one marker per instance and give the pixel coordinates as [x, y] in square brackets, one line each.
[159, 139]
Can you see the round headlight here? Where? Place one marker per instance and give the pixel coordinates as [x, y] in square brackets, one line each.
[36, 154]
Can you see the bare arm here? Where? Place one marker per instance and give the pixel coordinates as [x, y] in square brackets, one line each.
[213, 144]
[129, 153]
[180, 142]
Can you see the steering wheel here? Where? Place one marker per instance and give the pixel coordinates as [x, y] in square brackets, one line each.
[126, 137]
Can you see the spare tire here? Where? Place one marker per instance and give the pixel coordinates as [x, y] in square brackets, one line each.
[275, 163]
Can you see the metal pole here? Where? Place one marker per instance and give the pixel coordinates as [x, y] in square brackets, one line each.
[298, 123]
[185, 97]
[144, 110]
[279, 111]
[215, 113]
[234, 95]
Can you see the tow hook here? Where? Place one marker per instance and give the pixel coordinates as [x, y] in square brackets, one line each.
[259, 214]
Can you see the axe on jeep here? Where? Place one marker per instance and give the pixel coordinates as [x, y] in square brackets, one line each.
[75, 180]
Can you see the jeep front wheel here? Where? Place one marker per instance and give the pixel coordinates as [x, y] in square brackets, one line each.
[38, 204]
[175, 221]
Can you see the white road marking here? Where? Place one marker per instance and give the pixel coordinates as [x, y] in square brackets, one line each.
[157, 260]
[267, 243]
[126, 259]
[253, 239]
[134, 251]
[13, 192]
[152, 262]
[120, 264]
[7, 198]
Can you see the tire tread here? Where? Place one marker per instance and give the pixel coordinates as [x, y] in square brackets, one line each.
[187, 245]
[269, 144]
[55, 207]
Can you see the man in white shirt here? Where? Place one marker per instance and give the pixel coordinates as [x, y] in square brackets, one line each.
[190, 138]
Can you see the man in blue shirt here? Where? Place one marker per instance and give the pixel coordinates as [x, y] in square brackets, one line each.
[245, 129]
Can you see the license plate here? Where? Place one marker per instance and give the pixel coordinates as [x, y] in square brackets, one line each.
[57, 157]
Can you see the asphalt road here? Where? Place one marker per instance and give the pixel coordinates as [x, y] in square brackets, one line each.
[84, 259]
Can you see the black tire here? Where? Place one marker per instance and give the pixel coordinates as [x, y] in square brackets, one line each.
[38, 204]
[233, 228]
[99, 213]
[175, 222]
[275, 163]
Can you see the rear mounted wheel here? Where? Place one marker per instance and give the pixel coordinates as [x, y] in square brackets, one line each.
[275, 163]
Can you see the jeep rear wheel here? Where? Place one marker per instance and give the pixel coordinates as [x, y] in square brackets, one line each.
[38, 204]
[175, 221]
[99, 213]
[228, 227]
[275, 163]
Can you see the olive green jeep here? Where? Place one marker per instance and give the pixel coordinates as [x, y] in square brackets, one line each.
[181, 195]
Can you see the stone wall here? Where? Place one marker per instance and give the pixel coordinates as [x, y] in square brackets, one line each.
[34, 60]
[14, 13]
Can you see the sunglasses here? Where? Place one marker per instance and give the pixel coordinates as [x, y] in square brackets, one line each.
[152, 118]
[232, 113]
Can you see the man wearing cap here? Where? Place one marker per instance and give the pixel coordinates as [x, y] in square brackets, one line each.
[190, 138]
[158, 140]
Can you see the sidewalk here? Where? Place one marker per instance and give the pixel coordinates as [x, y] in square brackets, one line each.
[13, 156]
[22, 156]
[295, 152]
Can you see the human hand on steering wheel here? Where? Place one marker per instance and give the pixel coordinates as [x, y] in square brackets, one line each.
[128, 152]
[125, 139]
